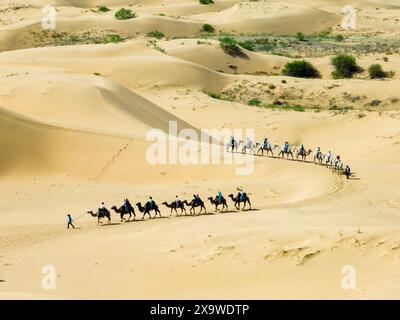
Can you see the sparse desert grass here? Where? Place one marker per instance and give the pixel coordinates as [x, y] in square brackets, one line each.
[285, 107]
[319, 44]
[218, 96]
[254, 102]
[64, 38]
[155, 34]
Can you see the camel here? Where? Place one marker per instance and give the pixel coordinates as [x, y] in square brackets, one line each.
[122, 211]
[173, 206]
[217, 203]
[249, 145]
[147, 208]
[237, 201]
[338, 165]
[194, 204]
[288, 151]
[268, 147]
[328, 159]
[100, 214]
[318, 156]
[303, 153]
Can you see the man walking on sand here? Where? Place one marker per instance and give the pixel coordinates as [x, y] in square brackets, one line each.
[69, 218]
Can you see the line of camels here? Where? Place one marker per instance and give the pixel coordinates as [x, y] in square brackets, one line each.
[104, 213]
[327, 159]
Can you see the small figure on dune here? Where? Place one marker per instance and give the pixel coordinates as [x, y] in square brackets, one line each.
[69, 220]
[347, 172]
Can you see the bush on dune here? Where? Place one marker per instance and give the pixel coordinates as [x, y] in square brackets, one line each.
[104, 9]
[155, 34]
[206, 1]
[300, 69]
[345, 66]
[125, 14]
[375, 71]
[208, 28]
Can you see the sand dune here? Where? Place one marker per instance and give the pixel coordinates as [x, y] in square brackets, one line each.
[102, 104]
[273, 17]
[212, 56]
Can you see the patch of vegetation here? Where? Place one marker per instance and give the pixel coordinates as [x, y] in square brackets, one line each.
[345, 66]
[155, 34]
[208, 28]
[230, 46]
[375, 71]
[285, 107]
[254, 102]
[64, 39]
[247, 44]
[125, 14]
[113, 38]
[300, 69]
[301, 36]
[339, 37]
[206, 1]
[218, 96]
[104, 9]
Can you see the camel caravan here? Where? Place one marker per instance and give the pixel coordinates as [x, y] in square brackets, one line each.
[298, 153]
[178, 206]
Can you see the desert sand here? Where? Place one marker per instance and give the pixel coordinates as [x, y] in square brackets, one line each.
[74, 116]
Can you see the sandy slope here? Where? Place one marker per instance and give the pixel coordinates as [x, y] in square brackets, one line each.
[73, 121]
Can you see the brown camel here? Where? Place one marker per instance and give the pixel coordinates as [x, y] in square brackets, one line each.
[269, 148]
[217, 203]
[237, 200]
[303, 154]
[100, 214]
[174, 206]
[123, 211]
[194, 204]
[147, 208]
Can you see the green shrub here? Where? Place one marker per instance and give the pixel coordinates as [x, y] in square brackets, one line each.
[230, 45]
[206, 1]
[248, 45]
[300, 36]
[345, 66]
[208, 28]
[113, 38]
[339, 38]
[104, 9]
[300, 69]
[125, 14]
[254, 102]
[155, 34]
[376, 72]
[285, 107]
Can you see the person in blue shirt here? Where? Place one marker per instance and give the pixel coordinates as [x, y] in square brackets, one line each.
[69, 219]
[219, 196]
